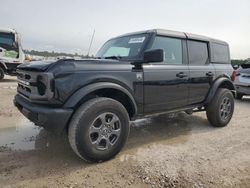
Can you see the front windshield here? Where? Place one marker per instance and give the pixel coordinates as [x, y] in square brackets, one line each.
[7, 39]
[8, 48]
[127, 47]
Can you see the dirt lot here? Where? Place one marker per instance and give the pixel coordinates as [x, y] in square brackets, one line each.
[175, 150]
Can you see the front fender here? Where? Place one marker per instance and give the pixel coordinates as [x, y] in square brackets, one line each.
[84, 91]
[222, 81]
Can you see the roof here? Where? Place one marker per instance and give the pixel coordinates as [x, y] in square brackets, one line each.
[179, 34]
[7, 30]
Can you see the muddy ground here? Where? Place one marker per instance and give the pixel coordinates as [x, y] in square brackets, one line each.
[176, 150]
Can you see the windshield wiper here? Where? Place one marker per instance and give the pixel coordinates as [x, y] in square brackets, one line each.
[113, 57]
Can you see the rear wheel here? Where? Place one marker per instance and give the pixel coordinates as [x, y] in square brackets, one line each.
[239, 96]
[221, 108]
[99, 129]
[1, 73]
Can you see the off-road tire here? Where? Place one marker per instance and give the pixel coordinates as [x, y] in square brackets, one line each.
[239, 96]
[214, 108]
[81, 122]
[1, 73]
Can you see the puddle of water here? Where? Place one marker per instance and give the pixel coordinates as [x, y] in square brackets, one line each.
[25, 136]
[20, 136]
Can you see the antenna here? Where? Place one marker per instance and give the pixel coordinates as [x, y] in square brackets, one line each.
[91, 42]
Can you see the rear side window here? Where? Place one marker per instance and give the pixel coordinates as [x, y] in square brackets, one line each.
[220, 53]
[172, 49]
[197, 52]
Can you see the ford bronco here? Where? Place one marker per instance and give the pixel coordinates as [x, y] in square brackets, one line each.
[132, 76]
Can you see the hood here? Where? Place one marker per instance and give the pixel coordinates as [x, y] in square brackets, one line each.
[36, 65]
[71, 65]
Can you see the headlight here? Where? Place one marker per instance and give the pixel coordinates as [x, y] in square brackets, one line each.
[41, 86]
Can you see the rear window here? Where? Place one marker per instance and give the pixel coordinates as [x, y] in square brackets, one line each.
[220, 53]
[246, 65]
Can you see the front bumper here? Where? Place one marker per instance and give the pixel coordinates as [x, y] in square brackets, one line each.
[52, 119]
[10, 68]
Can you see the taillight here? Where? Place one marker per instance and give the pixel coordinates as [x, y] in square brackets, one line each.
[233, 75]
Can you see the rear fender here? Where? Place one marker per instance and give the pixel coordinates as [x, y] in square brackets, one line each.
[222, 82]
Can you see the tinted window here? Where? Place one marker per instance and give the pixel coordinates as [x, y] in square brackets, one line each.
[172, 49]
[220, 53]
[197, 52]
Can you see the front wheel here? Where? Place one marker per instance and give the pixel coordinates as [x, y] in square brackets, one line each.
[220, 109]
[99, 129]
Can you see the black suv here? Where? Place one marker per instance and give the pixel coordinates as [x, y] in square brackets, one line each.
[132, 76]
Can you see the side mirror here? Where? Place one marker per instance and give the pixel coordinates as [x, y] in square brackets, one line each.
[156, 55]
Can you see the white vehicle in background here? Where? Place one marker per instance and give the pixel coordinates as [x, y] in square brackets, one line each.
[11, 52]
[241, 78]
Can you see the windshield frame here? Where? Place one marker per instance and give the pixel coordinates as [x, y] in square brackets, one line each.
[139, 56]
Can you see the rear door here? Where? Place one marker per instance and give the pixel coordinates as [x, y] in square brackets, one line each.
[201, 71]
[165, 84]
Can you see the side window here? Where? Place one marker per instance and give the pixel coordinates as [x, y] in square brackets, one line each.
[172, 48]
[197, 52]
[220, 53]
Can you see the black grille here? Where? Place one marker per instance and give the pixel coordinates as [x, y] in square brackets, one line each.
[26, 83]
[34, 85]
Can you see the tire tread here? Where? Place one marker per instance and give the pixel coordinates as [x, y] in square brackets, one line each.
[212, 113]
[73, 125]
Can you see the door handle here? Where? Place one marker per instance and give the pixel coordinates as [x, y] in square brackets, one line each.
[209, 74]
[181, 75]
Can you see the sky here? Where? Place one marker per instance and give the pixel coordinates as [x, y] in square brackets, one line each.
[67, 25]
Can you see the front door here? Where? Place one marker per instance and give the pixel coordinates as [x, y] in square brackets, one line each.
[166, 83]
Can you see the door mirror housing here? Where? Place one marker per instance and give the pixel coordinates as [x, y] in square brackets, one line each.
[156, 55]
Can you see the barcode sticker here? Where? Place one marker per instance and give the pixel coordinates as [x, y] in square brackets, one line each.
[136, 40]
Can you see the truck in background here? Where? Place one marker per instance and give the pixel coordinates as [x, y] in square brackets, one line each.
[11, 52]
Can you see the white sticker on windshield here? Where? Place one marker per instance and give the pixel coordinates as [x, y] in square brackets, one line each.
[136, 40]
